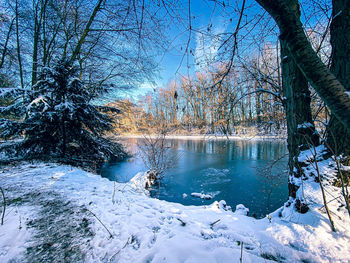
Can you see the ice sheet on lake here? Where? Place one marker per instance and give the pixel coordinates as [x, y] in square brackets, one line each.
[212, 176]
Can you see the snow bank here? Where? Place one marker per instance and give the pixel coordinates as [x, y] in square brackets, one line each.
[139, 181]
[143, 229]
[241, 210]
[143, 181]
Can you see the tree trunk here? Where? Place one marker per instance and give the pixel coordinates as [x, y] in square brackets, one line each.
[258, 104]
[19, 56]
[319, 76]
[4, 51]
[300, 126]
[77, 49]
[338, 138]
[36, 36]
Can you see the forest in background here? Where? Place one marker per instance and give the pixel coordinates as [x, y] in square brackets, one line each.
[249, 100]
[223, 96]
[238, 95]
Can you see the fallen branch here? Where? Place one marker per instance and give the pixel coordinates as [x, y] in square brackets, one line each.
[182, 222]
[4, 202]
[335, 198]
[127, 242]
[110, 234]
[113, 195]
[323, 193]
[212, 224]
[241, 258]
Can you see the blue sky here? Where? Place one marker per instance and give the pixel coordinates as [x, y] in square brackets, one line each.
[204, 14]
[220, 19]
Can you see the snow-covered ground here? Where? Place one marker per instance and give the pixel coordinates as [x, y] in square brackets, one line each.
[58, 213]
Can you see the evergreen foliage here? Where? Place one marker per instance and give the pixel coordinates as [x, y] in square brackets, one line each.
[58, 120]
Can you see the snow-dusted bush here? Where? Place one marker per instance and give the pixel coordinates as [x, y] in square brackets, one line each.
[157, 156]
[57, 119]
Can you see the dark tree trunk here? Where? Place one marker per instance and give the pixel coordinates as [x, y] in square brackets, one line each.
[77, 49]
[4, 50]
[338, 138]
[258, 107]
[19, 56]
[301, 129]
[319, 76]
[35, 54]
[36, 36]
[300, 126]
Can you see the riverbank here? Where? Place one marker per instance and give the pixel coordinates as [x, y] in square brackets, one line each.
[60, 213]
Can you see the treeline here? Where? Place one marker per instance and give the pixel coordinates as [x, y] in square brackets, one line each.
[248, 99]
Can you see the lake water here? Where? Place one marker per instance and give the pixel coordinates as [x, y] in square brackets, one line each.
[237, 171]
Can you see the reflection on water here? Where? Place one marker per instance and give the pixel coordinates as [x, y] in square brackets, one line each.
[228, 170]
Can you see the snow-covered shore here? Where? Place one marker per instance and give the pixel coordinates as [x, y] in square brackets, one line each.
[105, 221]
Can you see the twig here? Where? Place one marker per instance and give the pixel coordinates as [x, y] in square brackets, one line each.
[182, 222]
[241, 258]
[212, 224]
[127, 242]
[189, 36]
[4, 202]
[234, 48]
[343, 186]
[110, 234]
[333, 213]
[113, 195]
[342, 179]
[335, 198]
[322, 190]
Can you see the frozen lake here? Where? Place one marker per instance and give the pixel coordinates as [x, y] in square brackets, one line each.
[237, 171]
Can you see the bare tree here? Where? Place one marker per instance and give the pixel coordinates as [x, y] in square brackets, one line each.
[157, 156]
[114, 42]
[323, 81]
